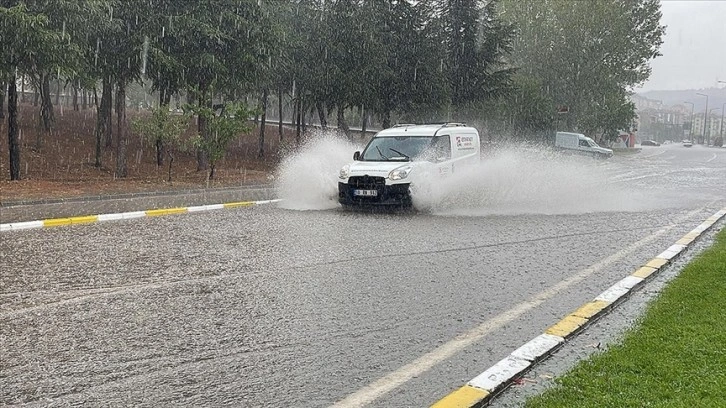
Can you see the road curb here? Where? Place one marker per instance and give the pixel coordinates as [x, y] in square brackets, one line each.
[89, 219]
[482, 388]
[120, 196]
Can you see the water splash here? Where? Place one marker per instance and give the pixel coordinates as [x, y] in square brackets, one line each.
[307, 178]
[513, 180]
[523, 180]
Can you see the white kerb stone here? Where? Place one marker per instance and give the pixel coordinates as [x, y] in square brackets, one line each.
[619, 289]
[499, 373]
[537, 347]
[671, 252]
[111, 217]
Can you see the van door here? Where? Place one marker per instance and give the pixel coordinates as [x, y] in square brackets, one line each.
[442, 154]
[583, 145]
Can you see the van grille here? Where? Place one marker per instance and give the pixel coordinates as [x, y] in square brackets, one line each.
[366, 182]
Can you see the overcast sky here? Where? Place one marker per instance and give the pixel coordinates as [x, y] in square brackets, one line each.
[694, 47]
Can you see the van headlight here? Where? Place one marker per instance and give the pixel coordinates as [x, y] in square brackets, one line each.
[400, 173]
[344, 172]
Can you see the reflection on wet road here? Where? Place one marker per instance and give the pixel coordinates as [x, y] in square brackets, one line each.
[269, 306]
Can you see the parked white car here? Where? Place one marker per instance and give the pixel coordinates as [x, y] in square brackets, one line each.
[403, 155]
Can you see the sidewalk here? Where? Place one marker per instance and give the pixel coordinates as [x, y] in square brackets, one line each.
[25, 210]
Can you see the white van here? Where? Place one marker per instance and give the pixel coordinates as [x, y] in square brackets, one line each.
[581, 144]
[403, 155]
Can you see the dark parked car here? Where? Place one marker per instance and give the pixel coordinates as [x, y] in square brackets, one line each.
[649, 143]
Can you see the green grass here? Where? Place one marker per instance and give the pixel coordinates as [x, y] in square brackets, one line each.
[675, 357]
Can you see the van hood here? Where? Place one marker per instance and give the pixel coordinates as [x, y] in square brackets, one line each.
[603, 150]
[376, 169]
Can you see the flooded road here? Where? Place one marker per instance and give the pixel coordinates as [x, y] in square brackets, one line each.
[270, 306]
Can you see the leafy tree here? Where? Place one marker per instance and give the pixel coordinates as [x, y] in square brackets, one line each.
[121, 48]
[26, 36]
[164, 131]
[212, 48]
[223, 127]
[68, 20]
[586, 54]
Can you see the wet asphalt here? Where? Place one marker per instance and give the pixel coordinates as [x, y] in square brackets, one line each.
[263, 306]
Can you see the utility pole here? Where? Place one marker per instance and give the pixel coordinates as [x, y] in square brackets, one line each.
[709, 122]
[690, 130]
[705, 118]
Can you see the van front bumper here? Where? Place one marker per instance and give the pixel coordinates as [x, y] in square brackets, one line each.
[385, 195]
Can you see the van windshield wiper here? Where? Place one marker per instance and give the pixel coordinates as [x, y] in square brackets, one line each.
[402, 154]
[381, 153]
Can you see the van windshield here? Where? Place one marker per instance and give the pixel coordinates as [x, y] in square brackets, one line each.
[395, 148]
[592, 143]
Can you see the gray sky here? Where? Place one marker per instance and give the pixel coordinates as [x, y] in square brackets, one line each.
[694, 47]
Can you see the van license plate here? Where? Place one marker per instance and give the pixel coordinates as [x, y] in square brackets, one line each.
[365, 193]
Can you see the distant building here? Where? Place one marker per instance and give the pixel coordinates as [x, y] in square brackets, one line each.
[714, 122]
[656, 121]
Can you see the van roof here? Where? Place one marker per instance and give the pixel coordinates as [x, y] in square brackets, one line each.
[406, 129]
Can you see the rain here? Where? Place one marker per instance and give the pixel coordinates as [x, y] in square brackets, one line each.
[334, 202]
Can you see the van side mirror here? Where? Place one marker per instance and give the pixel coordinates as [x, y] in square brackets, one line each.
[356, 156]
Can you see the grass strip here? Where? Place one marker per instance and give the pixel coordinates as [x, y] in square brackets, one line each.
[674, 357]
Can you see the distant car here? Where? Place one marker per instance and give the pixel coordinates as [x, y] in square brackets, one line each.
[649, 143]
[687, 143]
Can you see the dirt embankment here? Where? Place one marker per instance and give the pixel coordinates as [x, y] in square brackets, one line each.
[63, 165]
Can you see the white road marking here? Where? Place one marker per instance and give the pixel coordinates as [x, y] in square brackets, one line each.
[653, 155]
[395, 379]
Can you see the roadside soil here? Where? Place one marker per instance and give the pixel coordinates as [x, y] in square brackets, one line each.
[62, 165]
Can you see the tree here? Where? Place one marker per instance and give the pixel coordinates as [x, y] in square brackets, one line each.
[214, 49]
[26, 36]
[223, 127]
[586, 54]
[164, 131]
[122, 47]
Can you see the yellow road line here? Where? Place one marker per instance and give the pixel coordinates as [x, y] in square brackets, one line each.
[84, 220]
[466, 396]
[590, 309]
[566, 326]
[56, 222]
[239, 204]
[166, 211]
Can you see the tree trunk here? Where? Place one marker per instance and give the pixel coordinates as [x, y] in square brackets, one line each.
[58, 92]
[3, 87]
[22, 88]
[342, 124]
[296, 119]
[171, 160]
[364, 122]
[263, 124]
[257, 114]
[106, 113]
[202, 128]
[303, 116]
[46, 109]
[36, 96]
[99, 128]
[386, 119]
[13, 145]
[322, 115]
[159, 153]
[75, 96]
[84, 99]
[121, 139]
[164, 100]
[279, 111]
